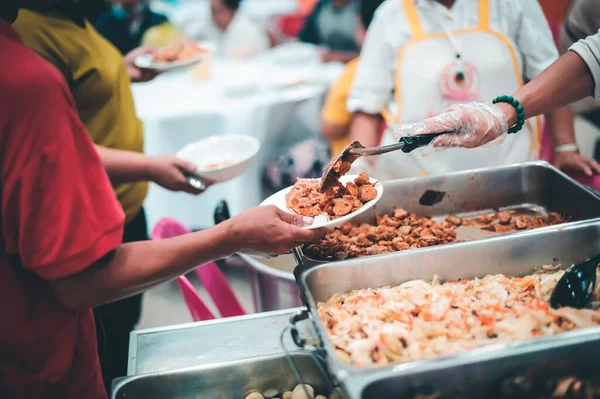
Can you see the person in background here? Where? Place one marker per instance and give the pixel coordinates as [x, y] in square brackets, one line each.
[99, 79]
[335, 117]
[308, 158]
[420, 56]
[126, 23]
[95, 8]
[61, 228]
[332, 25]
[574, 76]
[582, 20]
[234, 33]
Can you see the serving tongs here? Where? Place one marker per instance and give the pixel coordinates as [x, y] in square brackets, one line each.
[355, 150]
[576, 286]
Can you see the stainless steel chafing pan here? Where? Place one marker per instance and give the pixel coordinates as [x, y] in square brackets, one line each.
[512, 255]
[533, 187]
[486, 376]
[232, 380]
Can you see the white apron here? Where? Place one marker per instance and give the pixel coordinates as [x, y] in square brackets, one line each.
[427, 82]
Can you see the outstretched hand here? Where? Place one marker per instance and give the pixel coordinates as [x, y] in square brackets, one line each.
[136, 74]
[574, 162]
[269, 231]
[169, 172]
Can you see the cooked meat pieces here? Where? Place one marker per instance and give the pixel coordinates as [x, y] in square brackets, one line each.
[363, 178]
[555, 218]
[342, 207]
[306, 199]
[400, 213]
[352, 189]
[455, 220]
[342, 166]
[404, 230]
[391, 233]
[367, 192]
[504, 217]
[521, 222]
[507, 221]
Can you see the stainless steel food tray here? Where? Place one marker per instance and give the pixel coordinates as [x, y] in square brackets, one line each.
[231, 380]
[513, 255]
[532, 187]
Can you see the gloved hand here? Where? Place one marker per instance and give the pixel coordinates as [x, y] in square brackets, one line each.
[476, 124]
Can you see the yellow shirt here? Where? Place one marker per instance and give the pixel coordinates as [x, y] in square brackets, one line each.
[334, 110]
[99, 83]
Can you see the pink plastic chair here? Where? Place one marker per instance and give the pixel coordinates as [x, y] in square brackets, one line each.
[209, 275]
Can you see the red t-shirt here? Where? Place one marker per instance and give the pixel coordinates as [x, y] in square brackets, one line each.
[58, 215]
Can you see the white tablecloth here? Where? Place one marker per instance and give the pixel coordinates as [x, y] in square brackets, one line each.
[240, 98]
[263, 11]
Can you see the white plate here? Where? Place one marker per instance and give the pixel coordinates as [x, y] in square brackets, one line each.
[146, 61]
[233, 154]
[278, 199]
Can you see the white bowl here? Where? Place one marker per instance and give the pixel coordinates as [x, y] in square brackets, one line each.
[221, 158]
[278, 199]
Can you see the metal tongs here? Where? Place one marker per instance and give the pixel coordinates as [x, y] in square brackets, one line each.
[355, 150]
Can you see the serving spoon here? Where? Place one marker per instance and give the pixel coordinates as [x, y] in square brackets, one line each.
[355, 150]
[576, 286]
[194, 181]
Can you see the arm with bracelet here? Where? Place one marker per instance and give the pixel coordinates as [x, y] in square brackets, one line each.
[573, 76]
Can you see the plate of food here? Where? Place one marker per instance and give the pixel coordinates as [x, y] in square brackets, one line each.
[220, 158]
[175, 55]
[353, 195]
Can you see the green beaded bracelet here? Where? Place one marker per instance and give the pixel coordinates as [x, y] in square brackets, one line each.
[518, 107]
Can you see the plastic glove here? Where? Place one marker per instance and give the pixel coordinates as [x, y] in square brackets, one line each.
[476, 125]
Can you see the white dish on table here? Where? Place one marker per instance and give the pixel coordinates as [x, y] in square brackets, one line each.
[220, 158]
[278, 199]
[146, 61]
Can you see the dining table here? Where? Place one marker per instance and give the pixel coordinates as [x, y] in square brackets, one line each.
[276, 97]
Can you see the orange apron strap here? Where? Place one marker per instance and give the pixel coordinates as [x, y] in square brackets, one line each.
[414, 23]
[484, 14]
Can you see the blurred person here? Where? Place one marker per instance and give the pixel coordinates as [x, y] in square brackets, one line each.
[99, 79]
[582, 20]
[234, 33]
[308, 158]
[126, 23]
[94, 8]
[574, 76]
[61, 228]
[335, 117]
[420, 56]
[306, 6]
[332, 25]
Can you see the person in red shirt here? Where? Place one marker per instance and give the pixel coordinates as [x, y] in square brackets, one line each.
[61, 229]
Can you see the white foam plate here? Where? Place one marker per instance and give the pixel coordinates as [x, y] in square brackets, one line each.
[278, 199]
[146, 61]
